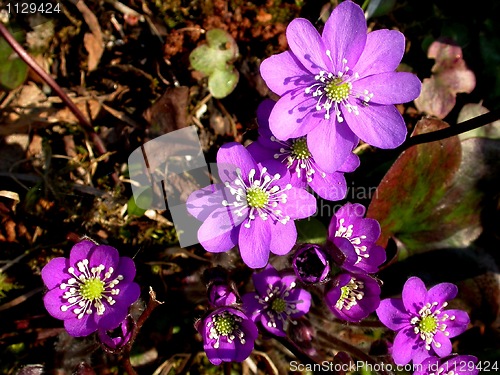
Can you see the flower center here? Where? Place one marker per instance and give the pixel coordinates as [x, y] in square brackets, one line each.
[278, 305]
[92, 289]
[300, 149]
[336, 90]
[350, 294]
[428, 324]
[297, 156]
[256, 197]
[429, 321]
[224, 324]
[89, 288]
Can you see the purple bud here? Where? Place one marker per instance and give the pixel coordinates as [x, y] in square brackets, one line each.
[311, 264]
[112, 341]
[221, 295]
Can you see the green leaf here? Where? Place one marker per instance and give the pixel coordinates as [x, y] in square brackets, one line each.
[222, 82]
[142, 204]
[13, 70]
[13, 73]
[214, 59]
[311, 231]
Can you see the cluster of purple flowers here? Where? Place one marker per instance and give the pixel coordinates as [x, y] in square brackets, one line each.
[345, 264]
[335, 89]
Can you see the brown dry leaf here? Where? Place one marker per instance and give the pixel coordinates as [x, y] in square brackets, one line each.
[93, 41]
[95, 49]
[169, 112]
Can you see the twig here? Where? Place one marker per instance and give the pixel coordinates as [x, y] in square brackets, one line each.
[463, 127]
[101, 148]
[152, 304]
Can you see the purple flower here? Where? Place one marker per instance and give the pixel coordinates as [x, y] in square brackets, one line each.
[255, 207]
[228, 335]
[115, 342]
[423, 327]
[295, 154]
[277, 300]
[454, 365]
[339, 87]
[91, 290]
[352, 297]
[311, 264]
[348, 223]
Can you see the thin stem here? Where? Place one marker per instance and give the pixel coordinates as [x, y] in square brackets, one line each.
[152, 304]
[54, 86]
[463, 127]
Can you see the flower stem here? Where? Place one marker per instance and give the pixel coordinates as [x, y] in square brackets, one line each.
[463, 127]
[152, 304]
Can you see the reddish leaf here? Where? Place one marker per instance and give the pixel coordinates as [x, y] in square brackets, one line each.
[450, 77]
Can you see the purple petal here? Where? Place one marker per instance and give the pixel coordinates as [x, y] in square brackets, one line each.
[125, 269]
[402, 347]
[55, 272]
[80, 251]
[283, 237]
[392, 313]
[378, 125]
[445, 348]
[383, 52]
[264, 278]
[116, 313]
[254, 243]
[458, 325]
[344, 34]
[104, 255]
[251, 305]
[390, 88]
[331, 144]
[232, 156]
[332, 187]
[304, 305]
[299, 204]
[414, 295]
[201, 203]
[260, 152]
[441, 293]
[268, 323]
[81, 327]
[307, 45]
[426, 365]
[351, 164]
[290, 75]
[218, 232]
[420, 353]
[53, 302]
[294, 115]
[376, 256]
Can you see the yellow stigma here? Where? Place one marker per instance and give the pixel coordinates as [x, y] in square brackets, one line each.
[257, 198]
[300, 149]
[278, 305]
[92, 289]
[224, 325]
[428, 324]
[337, 91]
